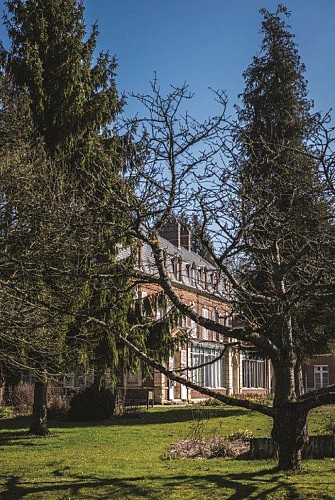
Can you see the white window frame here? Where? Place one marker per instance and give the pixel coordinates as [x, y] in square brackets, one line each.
[253, 373]
[204, 331]
[323, 372]
[211, 375]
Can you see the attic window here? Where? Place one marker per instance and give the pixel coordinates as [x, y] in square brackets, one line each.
[204, 278]
[214, 280]
[176, 268]
[193, 271]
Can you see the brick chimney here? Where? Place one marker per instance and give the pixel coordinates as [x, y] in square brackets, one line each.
[178, 234]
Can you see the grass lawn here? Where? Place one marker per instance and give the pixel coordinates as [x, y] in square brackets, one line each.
[122, 459]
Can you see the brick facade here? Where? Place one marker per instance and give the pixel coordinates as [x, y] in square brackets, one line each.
[197, 283]
[319, 372]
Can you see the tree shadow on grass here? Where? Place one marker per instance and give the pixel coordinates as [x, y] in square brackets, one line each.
[14, 431]
[22, 438]
[15, 423]
[162, 416]
[166, 416]
[257, 484]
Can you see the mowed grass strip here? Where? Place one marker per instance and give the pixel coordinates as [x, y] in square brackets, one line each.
[122, 459]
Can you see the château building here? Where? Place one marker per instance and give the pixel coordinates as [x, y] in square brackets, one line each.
[200, 286]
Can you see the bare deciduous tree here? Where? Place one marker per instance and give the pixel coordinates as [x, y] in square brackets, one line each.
[257, 187]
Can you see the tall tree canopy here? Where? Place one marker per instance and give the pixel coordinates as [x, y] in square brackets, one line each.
[73, 99]
[265, 222]
[73, 102]
[288, 233]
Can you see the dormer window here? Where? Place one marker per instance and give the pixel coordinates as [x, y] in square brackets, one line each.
[214, 280]
[176, 268]
[193, 271]
[227, 286]
[204, 278]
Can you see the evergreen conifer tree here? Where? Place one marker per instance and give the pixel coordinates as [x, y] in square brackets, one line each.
[288, 228]
[73, 102]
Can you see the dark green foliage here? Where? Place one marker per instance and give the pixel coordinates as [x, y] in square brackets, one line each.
[93, 403]
[34, 240]
[287, 273]
[101, 316]
[72, 102]
[154, 335]
[288, 232]
[72, 99]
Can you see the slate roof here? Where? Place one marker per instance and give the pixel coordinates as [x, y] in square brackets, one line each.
[190, 262]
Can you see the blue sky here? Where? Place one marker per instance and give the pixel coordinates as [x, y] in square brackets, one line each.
[208, 43]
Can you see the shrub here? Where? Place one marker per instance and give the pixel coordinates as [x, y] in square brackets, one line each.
[203, 449]
[331, 426]
[22, 398]
[92, 404]
[7, 412]
[263, 399]
[198, 426]
[58, 404]
[211, 402]
[222, 448]
[241, 434]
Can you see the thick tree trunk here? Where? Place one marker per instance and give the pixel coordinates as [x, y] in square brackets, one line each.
[39, 421]
[289, 433]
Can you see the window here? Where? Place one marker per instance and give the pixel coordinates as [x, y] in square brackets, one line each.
[193, 272]
[176, 268]
[204, 279]
[193, 328]
[218, 319]
[204, 313]
[321, 376]
[253, 372]
[78, 380]
[134, 378]
[211, 375]
[182, 321]
[228, 321]
[27, 378]
[68, 382]
[214, 280]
